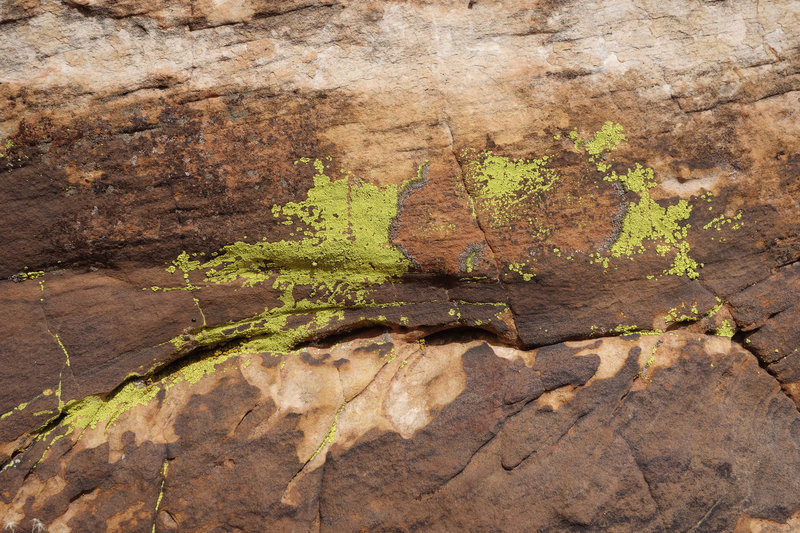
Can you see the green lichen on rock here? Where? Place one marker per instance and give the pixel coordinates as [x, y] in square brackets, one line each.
[343, 246]
[500, 185]
[77, 416]
[646, 222]
[185, 264]
[164, 469]
[626, 329]
[330, 436]
[29, 274]
[714, 310]
[20, 407]
[469, 261]
[607, 139]
[720, 221]
[520, 267]
[91, 411]
[679, 313]
[725, 329]
[339, 249]
[507, 190]
[342, 249]
[61, 345]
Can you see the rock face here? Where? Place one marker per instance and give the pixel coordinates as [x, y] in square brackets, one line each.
[353, 266]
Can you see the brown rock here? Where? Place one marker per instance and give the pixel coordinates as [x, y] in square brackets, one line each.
[548, 347]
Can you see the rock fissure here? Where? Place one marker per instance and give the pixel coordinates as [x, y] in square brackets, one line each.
[767, 367]
[461, 470]
[705, 516]
[200, 354]
[475, 216]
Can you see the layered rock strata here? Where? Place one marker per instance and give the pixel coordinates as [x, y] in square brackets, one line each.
[472, 265]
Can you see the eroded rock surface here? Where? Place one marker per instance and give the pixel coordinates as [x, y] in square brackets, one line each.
[386, 432]
[341, 266]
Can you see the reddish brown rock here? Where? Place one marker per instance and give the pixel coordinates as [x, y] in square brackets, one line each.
[623, 434]
[448, 357]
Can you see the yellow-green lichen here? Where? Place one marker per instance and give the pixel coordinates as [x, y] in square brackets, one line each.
[520, 268]
[677, 314]
[26, 275]
[344, 249]
[341, 250]
[650, 362]
[164, 468]
[17, 409]
[607, 139]
[714, 310]
[391, 356]
[719, 222]
[344, 246]
[8, 145]
[469, 261]
[330, 435]
[185, 265]
[499, 184]
[655, 347]
[202, 315]
[624, 329]
[60, 345]
[726, 329]
[91, 411]
[77, 416]
[646, 221]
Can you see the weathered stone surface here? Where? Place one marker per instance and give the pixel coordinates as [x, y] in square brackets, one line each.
[343, 265]
[387, 433]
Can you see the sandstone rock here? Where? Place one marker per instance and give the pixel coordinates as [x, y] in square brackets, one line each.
[476, 265]
[645, 433]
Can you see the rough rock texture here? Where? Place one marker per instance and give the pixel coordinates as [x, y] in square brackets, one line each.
[403, 265]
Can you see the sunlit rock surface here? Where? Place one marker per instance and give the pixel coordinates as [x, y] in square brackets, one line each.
[344, 266]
